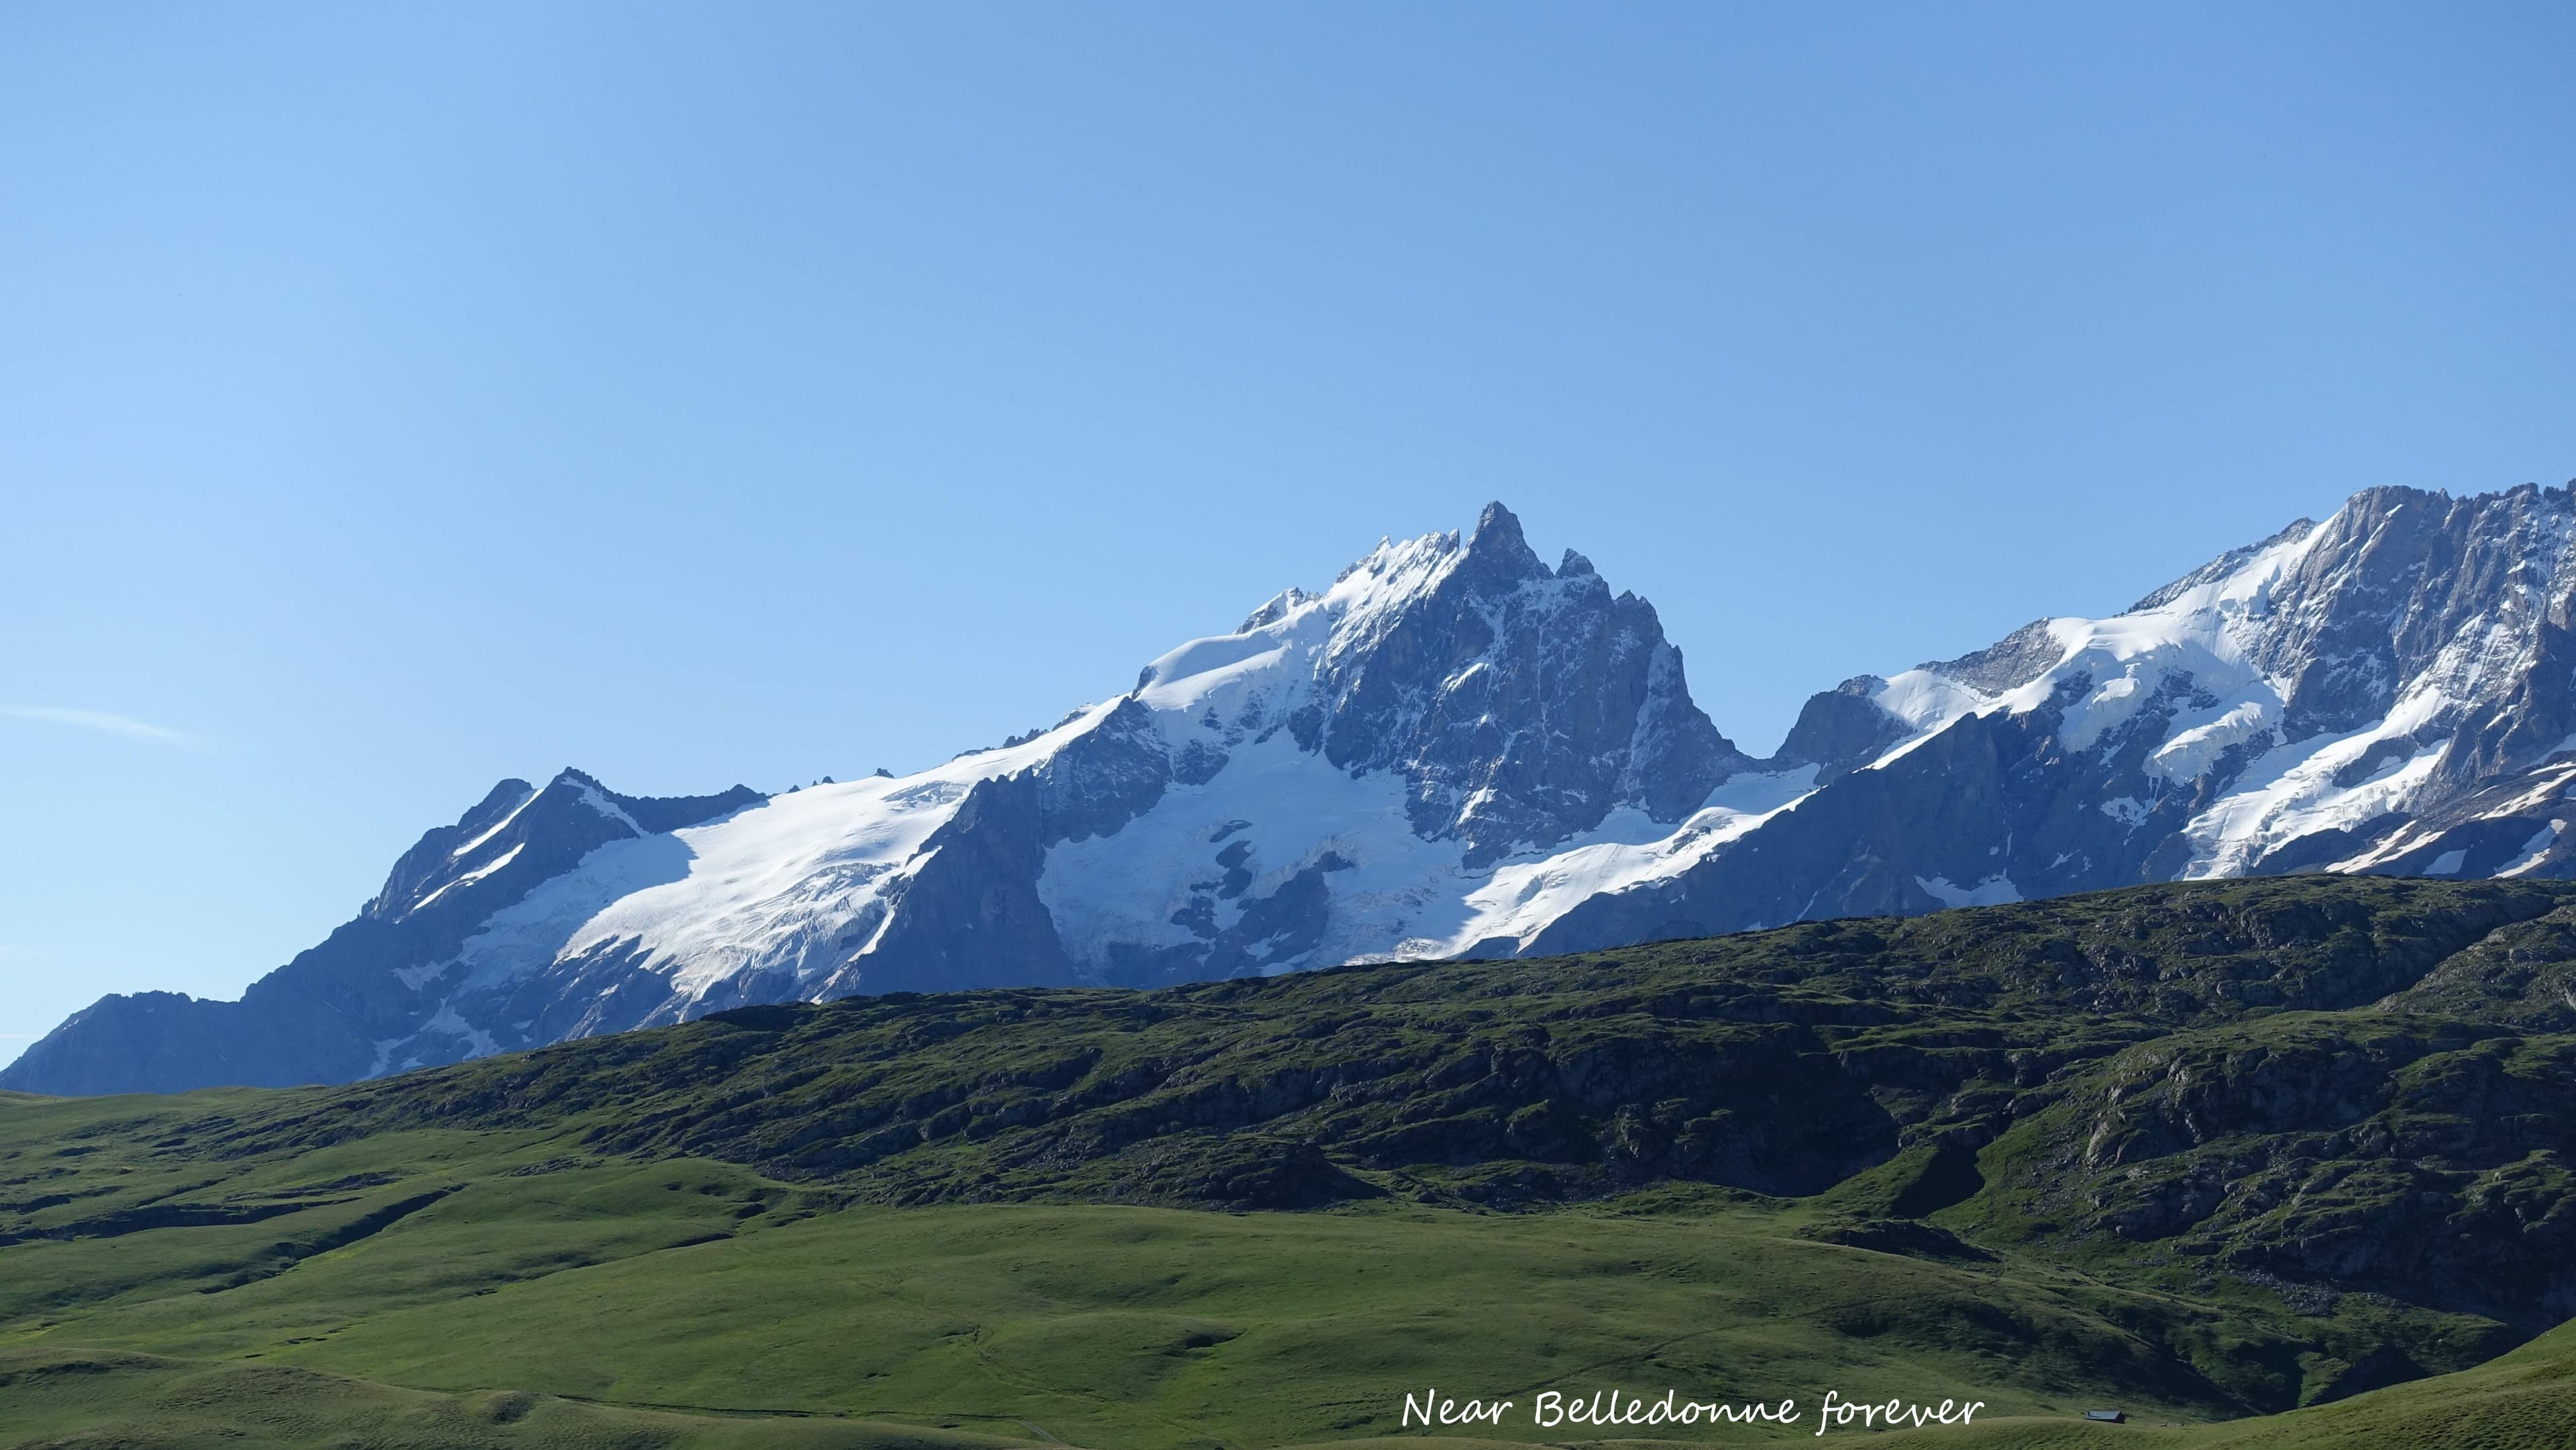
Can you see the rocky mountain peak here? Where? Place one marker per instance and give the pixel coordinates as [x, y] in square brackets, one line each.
[1455, 748]
[1523, 705]
[1497, 553]
[518, 835]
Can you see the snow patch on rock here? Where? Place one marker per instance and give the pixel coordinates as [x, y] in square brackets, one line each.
[1992, 891]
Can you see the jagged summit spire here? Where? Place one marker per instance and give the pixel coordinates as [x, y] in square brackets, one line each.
[1496, 527]
[1497, 551]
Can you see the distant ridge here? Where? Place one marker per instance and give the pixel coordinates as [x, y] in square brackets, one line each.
[1456, 750]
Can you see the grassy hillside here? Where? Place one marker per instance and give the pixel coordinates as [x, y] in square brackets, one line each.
[2200, 1152]
[2525, 1400]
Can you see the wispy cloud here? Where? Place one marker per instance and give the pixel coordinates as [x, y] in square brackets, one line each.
[102, 721]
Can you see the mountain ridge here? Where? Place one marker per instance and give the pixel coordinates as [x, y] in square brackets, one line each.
[1455, 750]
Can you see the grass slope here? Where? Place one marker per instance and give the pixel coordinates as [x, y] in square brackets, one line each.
[1099, 1325]
[2162, 1148]
[104, 1398]
[2525, 1400]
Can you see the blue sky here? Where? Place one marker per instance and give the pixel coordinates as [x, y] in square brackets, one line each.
[393, 401]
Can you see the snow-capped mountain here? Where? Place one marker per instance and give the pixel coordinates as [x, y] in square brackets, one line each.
[2389, 691]
[1454, 750]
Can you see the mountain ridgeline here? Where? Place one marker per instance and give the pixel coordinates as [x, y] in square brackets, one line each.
[1456, 750]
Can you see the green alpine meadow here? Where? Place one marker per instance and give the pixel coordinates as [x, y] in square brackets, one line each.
[2281, 1162]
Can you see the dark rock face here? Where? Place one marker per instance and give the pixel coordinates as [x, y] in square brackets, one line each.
[2403, 585]
[2427, 1161]
[1282, 925]
[972, 913]
[1103, 779]
[1867, 844]
[1841, 729]
[2523, 975]
[1522, 705]
[2011, 662]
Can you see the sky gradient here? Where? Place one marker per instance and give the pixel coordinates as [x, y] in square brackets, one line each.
[395, 402]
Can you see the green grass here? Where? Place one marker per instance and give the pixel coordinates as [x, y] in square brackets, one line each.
[106, 1398]
[611, 1289]
[1107, 1326]
[2153, 1149]
[2525, 1400]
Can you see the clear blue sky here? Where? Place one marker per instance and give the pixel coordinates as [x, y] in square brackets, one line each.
[393, 399]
